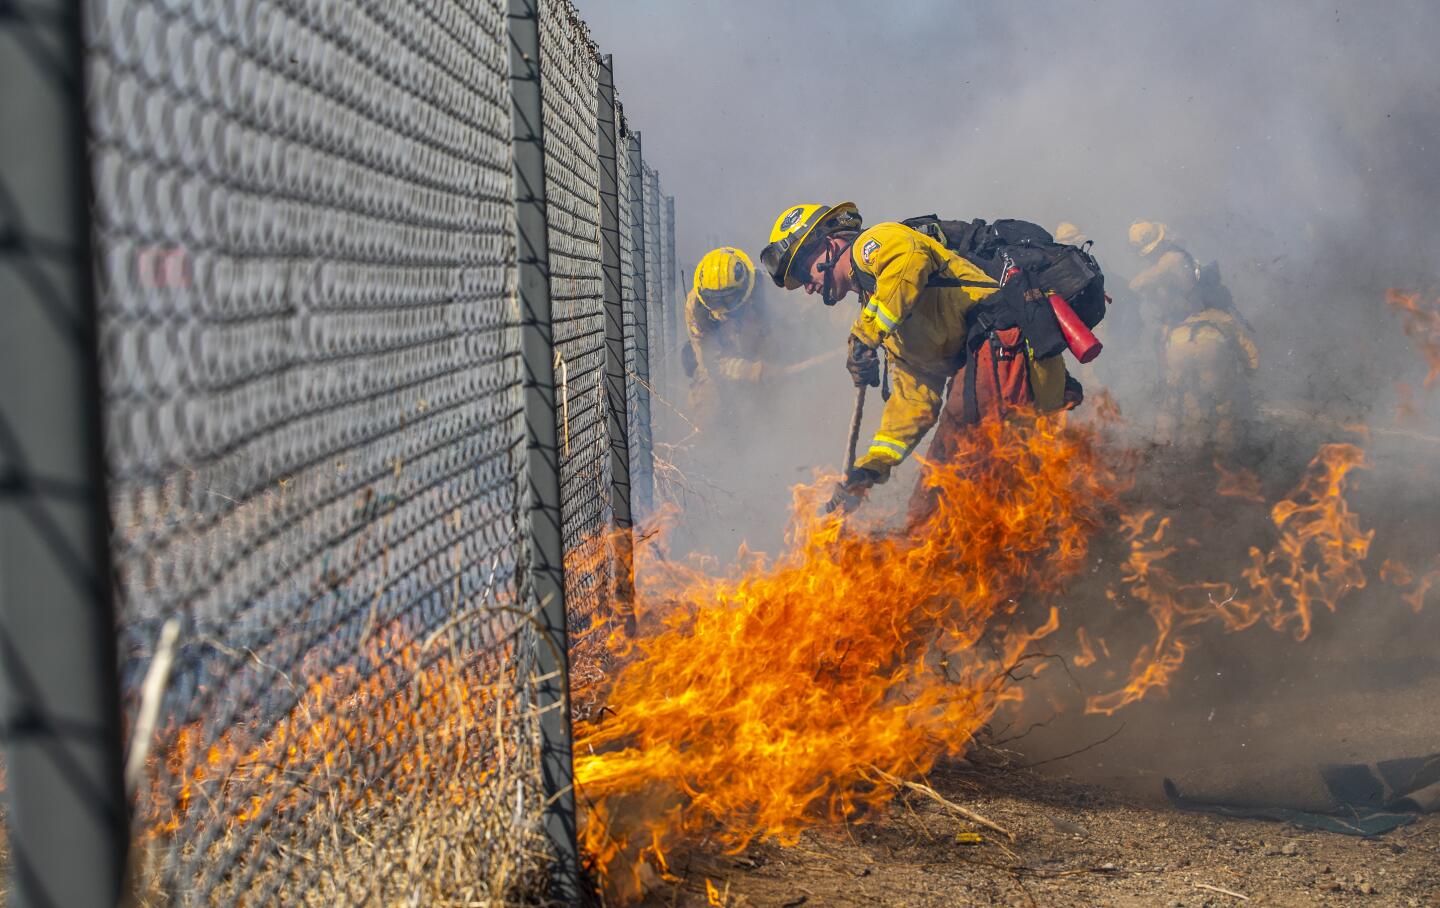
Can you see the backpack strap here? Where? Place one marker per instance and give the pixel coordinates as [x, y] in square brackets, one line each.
[994, 342]
[979, 328]
[971, 409]
[935, 281]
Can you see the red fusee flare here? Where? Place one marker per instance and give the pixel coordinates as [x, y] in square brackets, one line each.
[1083, 342]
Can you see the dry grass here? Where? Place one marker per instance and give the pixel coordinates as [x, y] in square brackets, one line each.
[417, 784]
[430, 851]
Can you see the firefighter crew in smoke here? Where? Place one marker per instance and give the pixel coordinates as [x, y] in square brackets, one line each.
[1205, 347]
[724, 327]
[916, 296]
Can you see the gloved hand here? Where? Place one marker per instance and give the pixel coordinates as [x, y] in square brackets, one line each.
[852, 491]
[863, 363]
[1074, 393]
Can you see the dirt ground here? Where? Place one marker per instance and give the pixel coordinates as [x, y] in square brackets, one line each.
[1076, 844]
[1093, 828]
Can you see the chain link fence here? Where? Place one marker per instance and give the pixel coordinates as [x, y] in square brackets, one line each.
[310, 390]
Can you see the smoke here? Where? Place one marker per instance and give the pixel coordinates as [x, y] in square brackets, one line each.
[1295, 145]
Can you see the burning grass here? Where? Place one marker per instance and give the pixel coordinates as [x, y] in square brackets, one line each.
[782, 693]
[807, 688]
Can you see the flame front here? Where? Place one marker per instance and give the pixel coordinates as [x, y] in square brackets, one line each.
[1315, 561]
[758, 703]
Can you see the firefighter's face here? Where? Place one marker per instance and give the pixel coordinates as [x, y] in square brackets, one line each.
[825, 264]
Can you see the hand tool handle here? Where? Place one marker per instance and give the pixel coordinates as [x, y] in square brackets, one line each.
[855, 427]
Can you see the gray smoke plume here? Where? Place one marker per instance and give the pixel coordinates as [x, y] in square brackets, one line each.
[1293, 143]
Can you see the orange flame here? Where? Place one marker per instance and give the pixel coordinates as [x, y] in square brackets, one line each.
[1422, 326]
[1416, 597]
[1087, 655]
[778, 696]
[1241, 483]
[1315, 561]
[1398, 574]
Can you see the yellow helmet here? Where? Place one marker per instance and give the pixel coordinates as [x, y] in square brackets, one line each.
[724, 279]
[1070, 235]
[1145, 236]
[795, 227]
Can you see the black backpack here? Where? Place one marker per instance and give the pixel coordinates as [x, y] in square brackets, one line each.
[1070, 271]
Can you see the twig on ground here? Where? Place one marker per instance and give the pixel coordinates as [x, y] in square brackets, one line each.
[1243, 898]
[940, 799]
[1064, 665]
[1074, 753]
[152, 692]
[925, 830]
[999, 742]
[1077, 871]
[1019, 882]
[1017, 868]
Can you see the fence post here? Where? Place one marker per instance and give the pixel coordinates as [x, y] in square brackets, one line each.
[545, 543]
[643, 470]
[654, 283]
[68, 824]
[655, 286]
[617, 425]
[672, 276]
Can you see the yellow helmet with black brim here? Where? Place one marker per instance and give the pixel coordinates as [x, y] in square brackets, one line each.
[796, 227]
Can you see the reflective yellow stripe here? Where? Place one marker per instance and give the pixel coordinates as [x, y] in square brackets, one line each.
[882, 315]
[887, 447]
[886, 317]
[885, 454]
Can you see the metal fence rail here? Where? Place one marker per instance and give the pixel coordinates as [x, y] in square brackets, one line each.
[654, 253]
[331, 644]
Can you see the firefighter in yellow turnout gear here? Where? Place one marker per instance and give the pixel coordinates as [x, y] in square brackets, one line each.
[923, 329]
[1209, 361]
[724, 328]
[1206, 351]
[921, 324]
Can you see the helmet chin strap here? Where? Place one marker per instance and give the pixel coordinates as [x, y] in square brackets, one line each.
[827, 268]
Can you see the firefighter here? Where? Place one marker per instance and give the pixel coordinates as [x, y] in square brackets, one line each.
[915, 297]
[725, 328]
[1206, 350]
[1070, 235]
[1170, 279]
